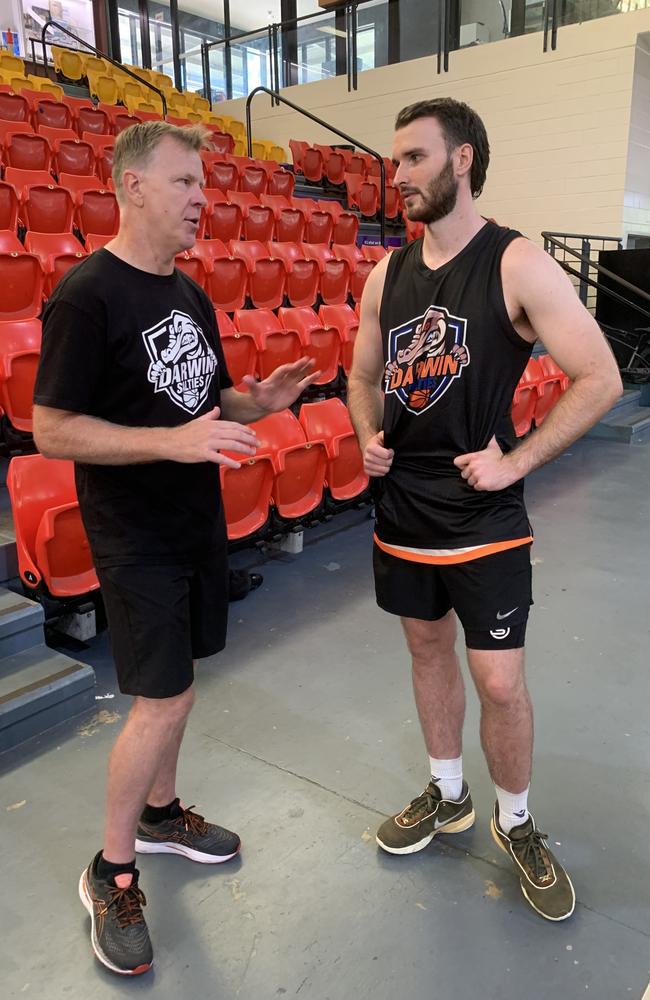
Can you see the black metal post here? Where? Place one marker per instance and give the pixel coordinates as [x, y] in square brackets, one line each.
[554, 25]
[354, 45]
[207, 82]
[348, 47]
[447, 8]
[439, 52]
[276, 61]
[176, 43]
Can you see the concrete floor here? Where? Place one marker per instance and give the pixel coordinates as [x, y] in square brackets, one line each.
[305, 735]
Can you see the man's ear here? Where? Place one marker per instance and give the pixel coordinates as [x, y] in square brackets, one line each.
[132, 187]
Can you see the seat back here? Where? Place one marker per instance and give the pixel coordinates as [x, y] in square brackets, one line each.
[21, 286]
[20, 345]
[98, 212]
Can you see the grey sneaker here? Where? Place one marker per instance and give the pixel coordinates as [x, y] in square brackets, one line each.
[119, 934]
[428, 814]
[188, 834]
[543, 880]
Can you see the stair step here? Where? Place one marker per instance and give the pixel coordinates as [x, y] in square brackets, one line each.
[40, 688]
[626, 424]
[21, 623]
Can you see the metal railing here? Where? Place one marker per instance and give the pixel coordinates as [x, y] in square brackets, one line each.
[277, 99]
[631, 344]
[98, 53]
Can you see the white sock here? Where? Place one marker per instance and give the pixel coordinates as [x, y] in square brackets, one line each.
[513, 809]
[448, 776]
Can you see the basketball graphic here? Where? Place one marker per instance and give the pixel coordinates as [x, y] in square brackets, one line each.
[191, 399]
[419, 398]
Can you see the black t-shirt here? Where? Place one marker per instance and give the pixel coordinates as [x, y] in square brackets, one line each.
[140, 350]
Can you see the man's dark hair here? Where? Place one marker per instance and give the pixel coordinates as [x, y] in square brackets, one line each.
[459, 124]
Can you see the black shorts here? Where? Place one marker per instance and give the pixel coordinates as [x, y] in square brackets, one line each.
[161, 618]
[491, 595]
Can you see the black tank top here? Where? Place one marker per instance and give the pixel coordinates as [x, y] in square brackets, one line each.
[453, 360]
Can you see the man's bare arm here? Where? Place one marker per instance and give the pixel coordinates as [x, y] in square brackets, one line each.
[535, 286]
[82, 438]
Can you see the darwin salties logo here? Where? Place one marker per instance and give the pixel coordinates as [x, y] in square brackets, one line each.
[425, 356]
[182, 362]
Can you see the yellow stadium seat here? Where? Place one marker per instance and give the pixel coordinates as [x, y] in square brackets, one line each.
[103, 87]
[194, 116]
[197, 103]
[261, 149]
[96, 66]
[12, 64]
[235, 127]
[211, 119]
[278, 153]
[68, 63]
[149, 108]
[240, 147]
[16, 82]
[131, 90]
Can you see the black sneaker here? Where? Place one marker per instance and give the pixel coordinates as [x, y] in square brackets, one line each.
[119, 934]
[543, 880]
[429, 814]
[188, 834]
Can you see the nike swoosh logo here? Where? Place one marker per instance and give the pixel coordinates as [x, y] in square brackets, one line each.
[500, 617]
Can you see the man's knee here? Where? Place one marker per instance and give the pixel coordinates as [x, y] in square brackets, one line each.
[429, 642]
[165, 711]
[501, 684]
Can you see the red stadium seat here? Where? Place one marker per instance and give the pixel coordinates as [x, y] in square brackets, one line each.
[105, 164]
[329, 421]
[98, 212]
[51, 114]
[223, 175]
[224, 219]
[375, 170]
[299, 466]
[20, 345]
[57, 252]
[334, 163]
[246, 494]
[281, 182]
[75, 104]
[525, 398]
[206, 251]
[21, 286]
[124, 119]
[193, 267]
[372, 251]
[9, 242]
[47, 209]
[73, 156]
[8, 207]
[27, 151]
[360, 267]
[303, 276]
[275, 345]
[335, 273]
[52, 546]
[259, 222]
[23, 179]
[298, 150]
[289, 221]
[14, 108]
[321, 343]
[393, 201]
[239, 348]
[320, 225]
[98, 142]
[78, 184]
[312, 165]
[347, 323]
[95, 241]
[362, 194]
[346, 224]
[222, 142]
[253, 178]
[266, 275]
[52, 134]
[227, 282]
[92, 119]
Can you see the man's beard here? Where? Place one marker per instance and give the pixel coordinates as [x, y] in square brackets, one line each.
[439, 198]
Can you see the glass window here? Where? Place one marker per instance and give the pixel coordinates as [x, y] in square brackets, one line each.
[201, 21]
[160, 38]
[128, 15]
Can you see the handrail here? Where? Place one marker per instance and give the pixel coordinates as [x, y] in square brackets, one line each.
[101, 55]
[599, 267]
[274, 95]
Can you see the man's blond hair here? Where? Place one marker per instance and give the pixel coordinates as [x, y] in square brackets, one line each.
[135, 145]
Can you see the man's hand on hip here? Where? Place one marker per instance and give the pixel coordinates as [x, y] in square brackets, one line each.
[377, 459]
[489, 469]
[204, 439]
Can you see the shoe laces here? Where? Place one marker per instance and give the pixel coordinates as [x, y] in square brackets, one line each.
[534, 855]
[192, 822]
[128, 903]
[426, 803]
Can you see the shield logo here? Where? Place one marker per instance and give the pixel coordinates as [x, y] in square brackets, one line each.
[425, 356]
[182, 362]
